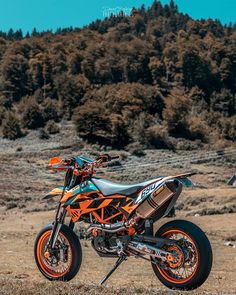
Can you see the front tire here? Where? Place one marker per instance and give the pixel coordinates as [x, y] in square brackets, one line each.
[195, 253]
[63, 263]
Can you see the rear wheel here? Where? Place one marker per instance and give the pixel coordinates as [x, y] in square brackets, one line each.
[63, 262]
[190, 261]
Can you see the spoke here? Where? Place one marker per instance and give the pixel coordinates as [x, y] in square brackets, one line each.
[182, 272]
[188, 267]
[185, 273]
[53, 264]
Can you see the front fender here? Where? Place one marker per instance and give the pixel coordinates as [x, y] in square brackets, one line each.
[54, 193]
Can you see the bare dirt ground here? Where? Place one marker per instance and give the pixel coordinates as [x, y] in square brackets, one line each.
[24, 181]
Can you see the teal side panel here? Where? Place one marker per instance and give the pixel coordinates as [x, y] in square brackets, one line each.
[90, 187]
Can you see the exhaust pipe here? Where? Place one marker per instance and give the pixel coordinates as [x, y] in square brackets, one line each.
[110, 228]
[146, 249]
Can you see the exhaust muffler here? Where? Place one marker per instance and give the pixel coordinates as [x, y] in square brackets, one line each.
[157, 198]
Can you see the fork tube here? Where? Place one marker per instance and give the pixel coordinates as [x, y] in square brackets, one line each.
[59, 218]
[57, 228]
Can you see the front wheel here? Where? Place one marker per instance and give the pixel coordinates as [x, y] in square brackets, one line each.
[191, 256]
[63, 262]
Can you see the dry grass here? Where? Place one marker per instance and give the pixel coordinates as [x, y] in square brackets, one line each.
[24, 287]
[24, 180]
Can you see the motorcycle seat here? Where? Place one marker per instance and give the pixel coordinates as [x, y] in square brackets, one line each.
[108, 188]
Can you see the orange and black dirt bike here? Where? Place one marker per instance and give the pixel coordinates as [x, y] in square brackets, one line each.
[119, 220]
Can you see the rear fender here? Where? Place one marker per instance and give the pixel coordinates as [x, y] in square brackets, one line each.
[183, 181]
[174, 199]
[186, 181]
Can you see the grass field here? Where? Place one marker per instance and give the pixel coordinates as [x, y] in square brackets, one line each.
[24, 180]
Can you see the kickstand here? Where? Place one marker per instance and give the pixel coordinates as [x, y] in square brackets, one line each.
[117, 264]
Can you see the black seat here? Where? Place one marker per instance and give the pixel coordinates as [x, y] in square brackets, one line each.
[109, 188]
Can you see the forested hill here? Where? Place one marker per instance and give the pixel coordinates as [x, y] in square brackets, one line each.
[145, 80]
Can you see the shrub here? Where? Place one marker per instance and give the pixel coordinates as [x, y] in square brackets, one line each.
[70, 91]
[140, 126]
[11, 128]
[119, 131]
[157, 137]
[92, 121]
[50, 110]
[2, 114]
[136, 149]
[223, 102]
[228, 128]
[197, 128]
[52, 128]
[43, 134]
[11, 205]
[32, 116]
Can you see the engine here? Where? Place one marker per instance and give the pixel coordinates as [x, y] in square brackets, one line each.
[154, 202]
[107, 244]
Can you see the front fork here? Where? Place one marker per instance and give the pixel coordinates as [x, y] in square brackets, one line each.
[61, 212]
[57, 224]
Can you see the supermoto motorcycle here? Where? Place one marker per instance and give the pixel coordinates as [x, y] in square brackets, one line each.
[120, 221]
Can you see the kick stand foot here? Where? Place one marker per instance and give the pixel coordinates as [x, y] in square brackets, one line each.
[117, 264]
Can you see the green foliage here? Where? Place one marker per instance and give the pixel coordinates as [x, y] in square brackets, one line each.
[140, 80]
[119, 131]
[70, 90]
[196, 72]
[14, 76]
[223, 102]
[92, 120]
[32, 115]
[50, 110]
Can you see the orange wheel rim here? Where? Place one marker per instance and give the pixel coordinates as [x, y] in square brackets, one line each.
[54, 271]
[180, 274]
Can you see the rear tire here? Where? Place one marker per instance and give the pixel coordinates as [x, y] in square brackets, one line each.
[202, 248]
[74, 254]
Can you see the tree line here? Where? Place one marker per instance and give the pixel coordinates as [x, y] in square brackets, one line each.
[154, 79]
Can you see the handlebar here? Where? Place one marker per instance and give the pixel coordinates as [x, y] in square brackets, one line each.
[69, 161]
[106, 158]
[98, 162]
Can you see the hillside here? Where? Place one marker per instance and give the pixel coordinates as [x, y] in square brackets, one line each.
[143, 81]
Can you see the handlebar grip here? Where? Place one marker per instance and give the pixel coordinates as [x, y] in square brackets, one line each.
[115, 157]
[107, 158]
[70, 161]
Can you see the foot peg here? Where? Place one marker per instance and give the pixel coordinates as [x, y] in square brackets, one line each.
[117, 264]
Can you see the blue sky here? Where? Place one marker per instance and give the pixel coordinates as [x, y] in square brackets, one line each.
[51, 14]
